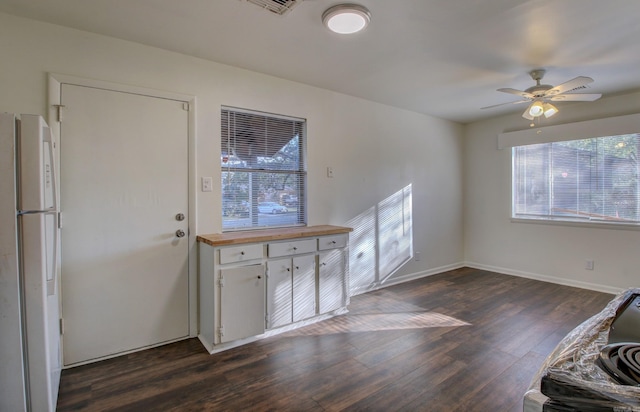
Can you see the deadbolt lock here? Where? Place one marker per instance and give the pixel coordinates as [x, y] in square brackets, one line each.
[179, 217]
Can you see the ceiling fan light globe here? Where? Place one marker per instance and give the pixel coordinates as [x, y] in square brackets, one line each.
[549, 110]
[536, 109]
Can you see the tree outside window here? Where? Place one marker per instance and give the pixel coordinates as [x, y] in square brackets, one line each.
[591, 179]
[263, 170]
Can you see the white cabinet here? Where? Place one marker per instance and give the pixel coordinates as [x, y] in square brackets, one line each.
[279, 293]
[253, 286]
[290, 248]
[232, 295]
[291, 290]
[304, 287]
[291, 282]
[241, 302]
[243, 253]
[332, 242]
[332, 287]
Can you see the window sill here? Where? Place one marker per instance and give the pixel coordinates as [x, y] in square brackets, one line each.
[586, 224]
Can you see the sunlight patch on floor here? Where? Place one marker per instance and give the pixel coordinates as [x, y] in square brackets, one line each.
[372, 322]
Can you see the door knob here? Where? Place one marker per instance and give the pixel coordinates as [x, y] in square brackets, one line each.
[180, 233]
[179, 217]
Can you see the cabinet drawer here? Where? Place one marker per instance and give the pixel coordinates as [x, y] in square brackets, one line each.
[240, 253]
[332, 242]
[292, 248]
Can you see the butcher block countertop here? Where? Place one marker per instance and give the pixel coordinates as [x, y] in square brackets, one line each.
[266, 235]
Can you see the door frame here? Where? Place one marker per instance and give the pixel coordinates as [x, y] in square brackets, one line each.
[55, 82]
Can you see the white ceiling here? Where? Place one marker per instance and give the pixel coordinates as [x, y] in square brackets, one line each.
[441, 57]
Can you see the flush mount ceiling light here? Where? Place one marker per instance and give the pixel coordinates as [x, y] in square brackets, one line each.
[346, 18]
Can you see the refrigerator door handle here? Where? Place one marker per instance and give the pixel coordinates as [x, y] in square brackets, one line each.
[51, 283]
[48, 138]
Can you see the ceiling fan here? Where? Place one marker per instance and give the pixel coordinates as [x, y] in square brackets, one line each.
[541, 95]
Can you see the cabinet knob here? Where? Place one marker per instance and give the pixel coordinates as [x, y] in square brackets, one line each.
[259, 276]
[333, 242]
[288, 269]
[295, 248]
[242, 253]
[297, 267]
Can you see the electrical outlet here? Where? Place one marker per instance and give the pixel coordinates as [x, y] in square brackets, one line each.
[588, 264]
[329, 171]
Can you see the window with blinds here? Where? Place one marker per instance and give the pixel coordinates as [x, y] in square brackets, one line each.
[263, 170]
[594, 180]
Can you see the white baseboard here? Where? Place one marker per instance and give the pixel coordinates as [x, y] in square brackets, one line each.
[528, 275]
[406, 278]
[546, 278]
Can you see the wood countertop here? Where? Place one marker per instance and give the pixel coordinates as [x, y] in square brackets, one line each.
[266, 235]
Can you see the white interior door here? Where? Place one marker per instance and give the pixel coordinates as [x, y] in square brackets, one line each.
[123, 181]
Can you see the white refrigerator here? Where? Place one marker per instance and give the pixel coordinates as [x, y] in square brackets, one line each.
[30, 356]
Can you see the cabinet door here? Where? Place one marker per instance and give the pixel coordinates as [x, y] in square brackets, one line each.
[304, 287]
[241, 302]
[331, 279]
[279, 293]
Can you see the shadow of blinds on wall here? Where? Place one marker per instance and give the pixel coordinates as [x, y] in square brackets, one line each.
[381, 241]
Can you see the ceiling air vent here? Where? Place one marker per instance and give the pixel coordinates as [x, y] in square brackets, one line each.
[276, 6]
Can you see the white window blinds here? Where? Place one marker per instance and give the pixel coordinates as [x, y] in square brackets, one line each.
[594, 180]
[263, 170]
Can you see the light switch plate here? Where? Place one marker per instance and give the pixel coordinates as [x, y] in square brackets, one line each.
[207, 184]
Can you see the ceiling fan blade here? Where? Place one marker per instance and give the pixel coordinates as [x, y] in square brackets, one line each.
[578, 97]
[573, 84]
[517, 92]
[504, 104]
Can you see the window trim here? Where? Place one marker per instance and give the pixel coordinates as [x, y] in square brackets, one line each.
[608, 126]
[600, 224]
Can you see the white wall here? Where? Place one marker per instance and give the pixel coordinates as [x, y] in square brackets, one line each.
[550, 252]
[375, 150]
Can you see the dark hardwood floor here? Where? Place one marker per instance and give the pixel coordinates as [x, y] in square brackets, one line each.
[464, 340]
